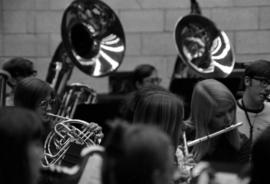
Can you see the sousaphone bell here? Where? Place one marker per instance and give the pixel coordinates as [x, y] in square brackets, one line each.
[203, 47]
[93, 37]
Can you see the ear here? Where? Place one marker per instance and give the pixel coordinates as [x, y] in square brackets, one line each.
[138, 85]
[247, 81]
[12, 82]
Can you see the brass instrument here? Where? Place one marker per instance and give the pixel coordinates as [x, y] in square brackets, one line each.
[60, 70]
[202, 46]
[3, 83]
[93, 37]
[65, 132]
[75, 94]
[93, 40]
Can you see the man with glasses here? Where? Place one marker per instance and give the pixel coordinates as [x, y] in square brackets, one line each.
[254, 107]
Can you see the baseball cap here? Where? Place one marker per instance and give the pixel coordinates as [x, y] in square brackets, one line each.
[258, 68]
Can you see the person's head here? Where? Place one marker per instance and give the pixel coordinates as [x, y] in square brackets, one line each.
[260, 158]
[257, 81]
[19, 68]
[220, 103]
[213, 107]
[21, 151]
[34, 94]
[145, 75]
[156, 105]
[137, 154]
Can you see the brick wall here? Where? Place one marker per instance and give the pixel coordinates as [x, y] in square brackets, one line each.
[31, 28]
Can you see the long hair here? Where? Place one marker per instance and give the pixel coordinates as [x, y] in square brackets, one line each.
[207, 96]
[155, 105]
[18, 128]
[30, 91]
[134, 153]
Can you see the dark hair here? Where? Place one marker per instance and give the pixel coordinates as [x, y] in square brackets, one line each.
[259, 68]
[156, 105]
[142, 71]
[134, 153]
[18, 128]
[261, 158]
[30, 91]
[19, 67]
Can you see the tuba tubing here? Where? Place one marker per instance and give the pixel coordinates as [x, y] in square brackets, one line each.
[64, 133]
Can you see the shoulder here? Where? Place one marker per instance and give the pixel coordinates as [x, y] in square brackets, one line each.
[267, 105]
[266, 109]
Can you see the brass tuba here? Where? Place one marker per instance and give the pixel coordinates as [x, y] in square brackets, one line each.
[92, 40]
[4, 76]
[202, 46]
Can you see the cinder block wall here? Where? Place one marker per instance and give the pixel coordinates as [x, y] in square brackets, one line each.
[31, 28]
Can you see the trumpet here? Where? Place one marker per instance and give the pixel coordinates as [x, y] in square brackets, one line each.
[66, 132]
[207, 137]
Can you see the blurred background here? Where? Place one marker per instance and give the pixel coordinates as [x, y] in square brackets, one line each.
[31, 29]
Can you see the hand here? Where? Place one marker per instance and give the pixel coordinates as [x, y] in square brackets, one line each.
[96, 131]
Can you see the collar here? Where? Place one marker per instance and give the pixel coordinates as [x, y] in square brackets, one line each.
[241, 104]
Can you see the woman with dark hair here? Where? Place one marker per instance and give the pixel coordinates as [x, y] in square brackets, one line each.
[20, 133]
[145, 75]
[137, 154]
[155, 105]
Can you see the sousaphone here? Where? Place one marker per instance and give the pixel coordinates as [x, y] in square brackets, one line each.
[93, 40]
[202, 46]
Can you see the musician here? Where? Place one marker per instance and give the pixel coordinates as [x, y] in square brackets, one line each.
[35, 94]
[21, 151]
[157, 106]
[145, 75]
[137, 154]
[18, 68]
[213, 108]
[253, 109]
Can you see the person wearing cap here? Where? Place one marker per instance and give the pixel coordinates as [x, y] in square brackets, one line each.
[18, 68]
[253, 109]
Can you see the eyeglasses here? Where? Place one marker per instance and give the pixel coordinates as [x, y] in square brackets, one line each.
[34, 73]
[263, 81]
[45, 103]
[155, 80]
